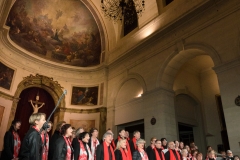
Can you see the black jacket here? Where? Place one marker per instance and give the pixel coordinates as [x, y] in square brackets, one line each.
[76, 147]
[60, 149]
[167, 155]
[31, 147]
[100, 152]
[52, 145]
[7, 153]
[131, 146]
[136, 155]
[150, 153]
[118, 154]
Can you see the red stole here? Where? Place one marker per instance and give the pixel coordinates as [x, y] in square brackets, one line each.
[143, 154]
[17, 144]
[69, 151]
[83, 152]
[124, 154]
[172, 157]
[134, 143]
[106, 154]
[113, 144]
[35, 128]
[94, 144]
[45, 147]
[128, 150]
[157, 153]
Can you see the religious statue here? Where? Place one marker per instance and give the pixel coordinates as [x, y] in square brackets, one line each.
[35, 106]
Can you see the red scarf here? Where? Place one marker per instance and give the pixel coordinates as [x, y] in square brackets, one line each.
[172, 157]
[134, 143]
[35, 128]
[128, 150]
[124, 154]
[157, 154]
[94, 144]
[106, 154]
[45, 147]
[69, 150]
[143, 154]
[17, 144]
[83, 152]
[113, 144]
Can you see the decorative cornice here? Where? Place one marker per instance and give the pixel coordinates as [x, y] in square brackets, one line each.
[9, 97]
[48, 81]
[227, 65]
[88, 111]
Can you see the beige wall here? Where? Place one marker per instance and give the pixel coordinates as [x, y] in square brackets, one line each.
[83, 117]
[228, 77]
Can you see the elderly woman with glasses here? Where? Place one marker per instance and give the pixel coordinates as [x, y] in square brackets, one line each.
[140, 154]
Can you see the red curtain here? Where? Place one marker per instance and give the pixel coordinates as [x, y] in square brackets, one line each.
[25, 109]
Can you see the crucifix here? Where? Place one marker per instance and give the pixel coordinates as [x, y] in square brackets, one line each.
[36, 103]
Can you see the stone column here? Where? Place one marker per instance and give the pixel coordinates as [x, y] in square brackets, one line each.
[159, 104]
[110, 119]
[103, 117]
[229, 84]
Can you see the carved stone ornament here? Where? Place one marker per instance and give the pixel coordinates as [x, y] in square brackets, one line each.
[153, 121]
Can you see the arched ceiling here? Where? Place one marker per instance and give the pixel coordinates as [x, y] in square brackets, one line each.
[63, 31]
[199, 63]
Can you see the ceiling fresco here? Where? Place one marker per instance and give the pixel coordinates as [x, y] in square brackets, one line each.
[62, 31]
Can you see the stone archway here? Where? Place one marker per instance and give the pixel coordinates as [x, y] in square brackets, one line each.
[40, 81]
[189, 111]
[175, 60]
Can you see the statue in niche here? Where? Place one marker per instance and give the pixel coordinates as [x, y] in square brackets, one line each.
[36, 103]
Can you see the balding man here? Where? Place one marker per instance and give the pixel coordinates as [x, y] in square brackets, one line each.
[133, 142]
[172, 154]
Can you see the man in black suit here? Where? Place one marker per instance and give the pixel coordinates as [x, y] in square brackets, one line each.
[105, 150]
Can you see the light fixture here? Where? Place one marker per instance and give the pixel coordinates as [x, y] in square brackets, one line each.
[115, 9]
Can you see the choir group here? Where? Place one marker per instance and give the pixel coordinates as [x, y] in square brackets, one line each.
[69, 144]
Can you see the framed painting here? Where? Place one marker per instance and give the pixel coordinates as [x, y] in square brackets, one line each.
[6, 76]
[86, 124]
[84, 96]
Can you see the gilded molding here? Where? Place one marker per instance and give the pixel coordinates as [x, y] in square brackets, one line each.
[42, 80]
[73, 110]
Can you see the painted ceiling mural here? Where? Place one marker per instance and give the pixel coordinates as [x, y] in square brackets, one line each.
[62, 31]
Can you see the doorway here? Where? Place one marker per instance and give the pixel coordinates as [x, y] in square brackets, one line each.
[25, 109]
[133, 126]
[185, 133]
